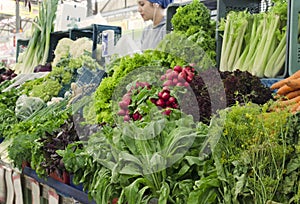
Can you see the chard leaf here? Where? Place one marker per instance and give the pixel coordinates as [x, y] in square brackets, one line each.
[164, 193]
[132, 191]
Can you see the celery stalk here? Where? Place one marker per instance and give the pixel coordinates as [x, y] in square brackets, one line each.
[226, 44]
[274, 64]
[239, 65]
[265, 46]
[256, 33]
[237, 45]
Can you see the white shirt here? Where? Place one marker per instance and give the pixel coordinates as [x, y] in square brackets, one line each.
[152, 35]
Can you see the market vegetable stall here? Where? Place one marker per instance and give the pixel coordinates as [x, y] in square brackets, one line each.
[163, 126]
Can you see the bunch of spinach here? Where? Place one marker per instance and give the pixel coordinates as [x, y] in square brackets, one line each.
[140, 161]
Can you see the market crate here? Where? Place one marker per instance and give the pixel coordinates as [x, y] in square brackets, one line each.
[76, 33]
[171, 10]
[54, 38]
[293, 45]
[21, 45]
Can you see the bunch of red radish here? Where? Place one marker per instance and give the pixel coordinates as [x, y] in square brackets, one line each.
[178, 76]
[126, 101]
[165, 101]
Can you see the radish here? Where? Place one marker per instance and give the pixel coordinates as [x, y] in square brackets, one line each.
[123, 105]
[167, 112]
[172, 99]
[182, 75]
[189, 79]
[122, 112]
[174, 74]
[168, 83]
[160, 94]
[126, 118]
[169, 76]
[165, 96]
[175, 105]
[160, 102]
[175, 81]
[136, 116]
[168, 103]
[186, 84]
[163, 77]
[180, 84]
[178, 68]
[181, 79]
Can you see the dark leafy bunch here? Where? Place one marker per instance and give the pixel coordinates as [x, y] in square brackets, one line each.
[48, 145]
[238, 86]
[25, 133]
[6, 74]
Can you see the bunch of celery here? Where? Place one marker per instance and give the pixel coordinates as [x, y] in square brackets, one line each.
[38, 47]
[255, 42]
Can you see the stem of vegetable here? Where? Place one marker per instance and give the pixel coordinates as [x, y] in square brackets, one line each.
[237, 46]
[225, 44]
[275, 63]
[265, 45]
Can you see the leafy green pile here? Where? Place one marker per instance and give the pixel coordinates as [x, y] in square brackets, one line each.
[139, 162]
[58, 81]
[24, 134]
[7, 108]
[193, 36]
[45, 159]
[256, 155]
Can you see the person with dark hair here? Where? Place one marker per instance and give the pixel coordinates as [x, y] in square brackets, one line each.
[153, 10]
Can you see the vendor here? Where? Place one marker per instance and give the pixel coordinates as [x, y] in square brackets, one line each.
[153, 10]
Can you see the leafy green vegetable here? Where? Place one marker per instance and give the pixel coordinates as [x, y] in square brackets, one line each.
[255, 42]
[7, 108]
[59, 80]
[251, 154]
[193, 37]
[122, 68]
[24, 133]
[143, 161]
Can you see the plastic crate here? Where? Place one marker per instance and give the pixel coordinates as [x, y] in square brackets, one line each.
[21, 45]
[97, 36]
[54, 38]
[171, 10]
[293, 43]
[76, 33]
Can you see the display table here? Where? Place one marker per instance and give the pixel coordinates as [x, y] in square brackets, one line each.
[28, 188]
